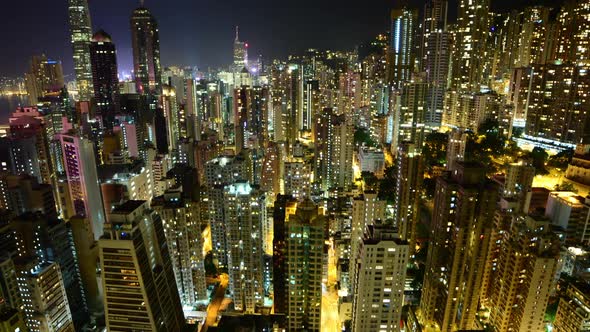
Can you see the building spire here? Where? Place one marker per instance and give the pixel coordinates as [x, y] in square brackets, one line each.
[141, 2]
[237, 32]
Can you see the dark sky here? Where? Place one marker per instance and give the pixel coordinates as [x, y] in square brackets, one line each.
[199, 32]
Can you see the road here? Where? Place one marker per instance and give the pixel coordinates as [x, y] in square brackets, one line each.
[216, 302]
[330, 314]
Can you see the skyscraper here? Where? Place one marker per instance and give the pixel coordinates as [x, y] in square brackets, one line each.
[145, 40]
[45, 76]
[379, 288]
[469, 47]
[81, 32]
[80, 168]
[401, 53]
[182, 227]
[304, 235]
[138, 280]
[103, 58]
[245, 213]
[436, 53]
[240, 54]
[525, 277]
[463, 216]
[46, 306]
[410, 165]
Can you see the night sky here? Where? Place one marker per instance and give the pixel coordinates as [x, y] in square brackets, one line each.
[200, 32]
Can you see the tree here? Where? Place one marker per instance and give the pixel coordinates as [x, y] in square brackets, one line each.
[435, 150]
[387, 184]
[538, 158]
[562, 159]
[363, 136]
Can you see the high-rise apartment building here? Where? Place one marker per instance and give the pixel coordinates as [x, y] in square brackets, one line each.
[44, 296]
[469, 48]
[463, 216]
[305, 260]
[334, 150]
[105, 81]
[571, 213]
[409, 119]
[379, 285]
[244, 217]
[401, 53]
[406, 214]
[145, 39]
[524, 277]
[182, 228]
[137, 276]
[366, 209]
[573, 310]
[552, 99]
[81, 32]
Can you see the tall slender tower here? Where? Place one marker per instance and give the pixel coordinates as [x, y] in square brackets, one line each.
[104, 71]
[81, 31]
[401, 54]
[470, 41]
[145, 40]
[463, 218]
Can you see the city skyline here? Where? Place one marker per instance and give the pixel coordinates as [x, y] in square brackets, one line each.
[202, 36]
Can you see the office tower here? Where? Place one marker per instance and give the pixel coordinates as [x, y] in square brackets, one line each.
[571, 213]
[49, 239]
[463, 216]
[82, 179]
[551, 98]
[31, 133]
[572, 311]
[406, 214]
[470, 41]
[45, 76]
[333, 150]
[283, 206]
[525, 277]
[137, 107]
[81, 32]
[133, 252]
[170, 112]
[240, 54]
[105, 81]
[297, 178]
[46, 306]
[410, 115]
[182, 228]
[379, 288]
[401, 53]
[456, 148]
[244, 216]
[305, 258]
[145, 40]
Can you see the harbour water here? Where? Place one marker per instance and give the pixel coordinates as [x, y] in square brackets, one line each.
[8, 104]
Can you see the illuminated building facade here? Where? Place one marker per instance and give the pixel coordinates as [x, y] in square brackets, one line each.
[81, 32]
[103, 59]
[245, 214]
[379, 288]
[145, 39]
[137, 276]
